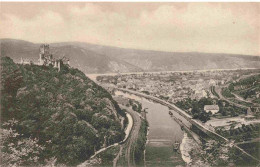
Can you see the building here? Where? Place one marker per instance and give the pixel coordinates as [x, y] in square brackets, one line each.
[26, 61]
[46, 58]
[211, 108]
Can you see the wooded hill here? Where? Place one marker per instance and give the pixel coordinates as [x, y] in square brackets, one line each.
[61, 117]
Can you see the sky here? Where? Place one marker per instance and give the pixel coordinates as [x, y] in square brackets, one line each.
[176, 27]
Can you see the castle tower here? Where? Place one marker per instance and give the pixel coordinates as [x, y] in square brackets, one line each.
[41, 59]
[55, 64]
[58, 65]
[45, 49]
[44, 54]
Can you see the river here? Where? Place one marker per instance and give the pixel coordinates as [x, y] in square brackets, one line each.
[163, 132]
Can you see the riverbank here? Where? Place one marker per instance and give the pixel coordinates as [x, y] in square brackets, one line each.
[163, 132]
[185, 148]
[129, 126]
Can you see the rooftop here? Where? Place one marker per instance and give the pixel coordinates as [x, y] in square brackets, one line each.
[211, 107]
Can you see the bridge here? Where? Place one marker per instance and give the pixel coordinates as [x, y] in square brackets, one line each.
[205, 129]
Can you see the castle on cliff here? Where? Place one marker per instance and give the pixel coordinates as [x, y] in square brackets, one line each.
[46, 58]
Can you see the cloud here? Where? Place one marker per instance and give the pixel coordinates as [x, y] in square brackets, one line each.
[41, 26]
[202, 27]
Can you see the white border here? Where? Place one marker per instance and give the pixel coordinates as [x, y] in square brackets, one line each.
[130, 1]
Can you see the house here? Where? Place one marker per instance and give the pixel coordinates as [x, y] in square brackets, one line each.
[211, 108]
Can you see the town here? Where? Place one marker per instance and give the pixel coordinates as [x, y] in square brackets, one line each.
[225, 102]
[127, 84]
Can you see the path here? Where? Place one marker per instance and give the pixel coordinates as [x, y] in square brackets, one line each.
[218, 91]
[239, 98]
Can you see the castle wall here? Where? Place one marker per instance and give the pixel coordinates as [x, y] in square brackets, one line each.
[45, 58]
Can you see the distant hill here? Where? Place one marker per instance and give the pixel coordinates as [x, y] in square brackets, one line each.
[46, 114]
[92, 58]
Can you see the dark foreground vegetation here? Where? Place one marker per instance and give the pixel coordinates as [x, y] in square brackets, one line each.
[54, 117]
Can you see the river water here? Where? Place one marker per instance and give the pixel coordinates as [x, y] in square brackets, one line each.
[163, 131]
[162, 128]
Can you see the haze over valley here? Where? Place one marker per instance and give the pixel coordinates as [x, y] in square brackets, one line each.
[91, 58]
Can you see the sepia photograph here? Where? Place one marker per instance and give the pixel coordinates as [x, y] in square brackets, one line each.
[130, 84]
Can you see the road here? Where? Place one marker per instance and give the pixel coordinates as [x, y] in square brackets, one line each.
[176, 109]
[186, 116]
[218, 91]
[194, 136]
[239, 98]
[132, 138]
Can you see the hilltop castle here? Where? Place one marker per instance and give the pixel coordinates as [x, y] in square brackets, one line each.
[46, 58]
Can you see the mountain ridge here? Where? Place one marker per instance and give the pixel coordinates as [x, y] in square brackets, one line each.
[93, 58]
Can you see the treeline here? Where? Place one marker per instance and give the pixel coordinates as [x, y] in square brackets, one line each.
[243, 133]
[139, 145]
[136, 106]
[63, 115]
[227, 93]
[196, 108]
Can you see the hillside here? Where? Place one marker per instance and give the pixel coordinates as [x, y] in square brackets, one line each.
[86, 60]
[247, 89]
[48, 115]
[91, 58]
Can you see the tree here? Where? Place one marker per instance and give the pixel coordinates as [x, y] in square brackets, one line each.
[18, 150]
